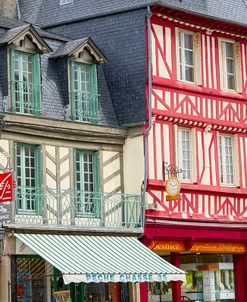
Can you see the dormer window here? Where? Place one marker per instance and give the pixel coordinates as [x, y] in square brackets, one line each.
[84, 92]
[25, 87]
[24, 46]
[83, 56]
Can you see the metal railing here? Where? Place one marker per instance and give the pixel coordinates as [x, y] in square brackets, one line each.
[25, 97]
[41, 206]
[185, 298]
[85, 107]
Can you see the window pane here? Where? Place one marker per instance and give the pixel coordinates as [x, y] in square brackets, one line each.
[230, 66]
[188, 57]
[229, 49]
[188, 41]
[189, 73]
[230, 81]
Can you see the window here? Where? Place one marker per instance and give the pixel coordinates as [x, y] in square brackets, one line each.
[187, 56]
[25, 83]
[84, 94]
[63, 2]
[227, 159]
[87, 183]
[185, 153]
[28, 177]
[229, 61]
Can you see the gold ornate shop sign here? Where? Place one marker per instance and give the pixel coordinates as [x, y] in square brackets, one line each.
[203, 246]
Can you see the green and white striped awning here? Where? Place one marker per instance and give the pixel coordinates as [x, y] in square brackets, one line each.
[101, 258]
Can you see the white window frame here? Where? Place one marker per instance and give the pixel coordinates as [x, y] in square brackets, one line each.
[235, 160]
[64, 2]
[179, 153]
[236, 64]
[196, 56]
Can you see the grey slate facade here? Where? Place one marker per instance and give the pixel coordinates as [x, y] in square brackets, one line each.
[122, 39]
[54, 77]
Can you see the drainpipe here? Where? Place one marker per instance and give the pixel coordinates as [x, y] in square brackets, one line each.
[18, 9]
[149, 125]
[2, 123]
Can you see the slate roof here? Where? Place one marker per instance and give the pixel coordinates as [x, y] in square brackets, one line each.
[10, 23]
[38, 11]
[68, 48]
[14, 27]
[12, 33]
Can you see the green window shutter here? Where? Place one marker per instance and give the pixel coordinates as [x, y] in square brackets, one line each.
[72, 89]
[37, 83]
[94, 93]
[38, 179]
[96, 171]
[12, 79]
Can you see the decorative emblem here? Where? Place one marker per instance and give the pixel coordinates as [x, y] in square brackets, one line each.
[172, 183]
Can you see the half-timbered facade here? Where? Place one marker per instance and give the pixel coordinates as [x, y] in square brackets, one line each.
[199, 119]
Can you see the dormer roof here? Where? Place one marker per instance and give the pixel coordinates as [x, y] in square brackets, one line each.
[15, 35]
[73, 48]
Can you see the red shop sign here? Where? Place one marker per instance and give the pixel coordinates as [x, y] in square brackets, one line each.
[6, 187]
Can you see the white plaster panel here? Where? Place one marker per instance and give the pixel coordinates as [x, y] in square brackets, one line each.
[166, 140]
[162, 68]
[50, 165]
[111, 168]
[206, 176]
[63, 152]
[168, 47]
[51, 150]
[151, 154]
[107, 155]
[243, 144]
[112, 184]
[200, 153]
[65, 183]
[158, 151]
[209, 62]
[4, 144]
[50, 182]
[168, 98]
[214, 62]
[154, 56]
[204, 60]
[244, 54]
[133, 164]
[64, 167]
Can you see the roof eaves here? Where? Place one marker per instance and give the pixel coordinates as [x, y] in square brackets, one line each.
[113, 12]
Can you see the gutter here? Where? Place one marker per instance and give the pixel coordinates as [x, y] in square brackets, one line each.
[149, 123]
[101, 15]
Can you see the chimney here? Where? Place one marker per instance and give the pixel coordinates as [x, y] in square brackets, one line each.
[8, 8]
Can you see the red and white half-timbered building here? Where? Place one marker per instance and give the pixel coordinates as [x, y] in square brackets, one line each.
[199, 125]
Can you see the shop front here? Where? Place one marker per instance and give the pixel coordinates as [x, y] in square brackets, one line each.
[215, 267]
[70, 268]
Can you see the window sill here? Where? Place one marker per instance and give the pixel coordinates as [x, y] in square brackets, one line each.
[188, 82]
[224, 185]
